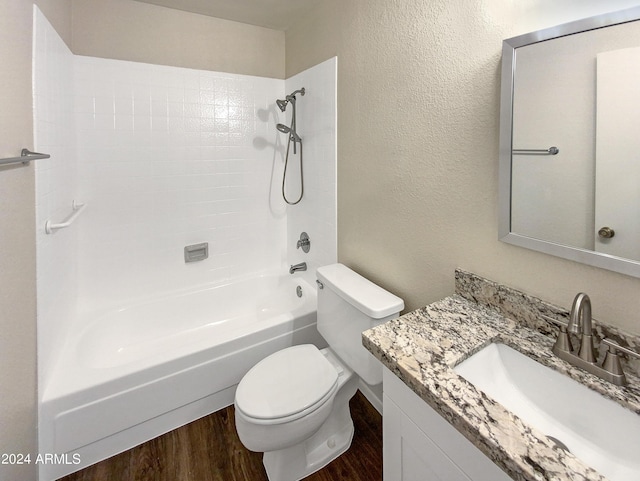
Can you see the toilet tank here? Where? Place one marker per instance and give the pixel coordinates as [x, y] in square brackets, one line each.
[347, 305]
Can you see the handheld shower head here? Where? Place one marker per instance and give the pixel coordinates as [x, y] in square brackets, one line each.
[294, 139]
[287, 130]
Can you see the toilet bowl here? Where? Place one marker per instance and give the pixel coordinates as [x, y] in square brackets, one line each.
[294, 404]
[300, 443]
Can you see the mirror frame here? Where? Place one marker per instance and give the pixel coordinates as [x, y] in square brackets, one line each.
[509, 46]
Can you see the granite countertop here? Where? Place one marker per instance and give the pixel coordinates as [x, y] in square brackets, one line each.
[423, 346]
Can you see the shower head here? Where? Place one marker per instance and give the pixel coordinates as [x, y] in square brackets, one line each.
[283, 128]
[282, 104]
[287, 130]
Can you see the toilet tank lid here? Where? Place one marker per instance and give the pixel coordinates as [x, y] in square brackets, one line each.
[371, 299]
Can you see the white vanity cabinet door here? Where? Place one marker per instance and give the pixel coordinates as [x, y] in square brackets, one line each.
[419, 445]
[409, 454]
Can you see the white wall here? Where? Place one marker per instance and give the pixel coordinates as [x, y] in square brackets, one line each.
[56, 188]
[171, 157]
[316, 124]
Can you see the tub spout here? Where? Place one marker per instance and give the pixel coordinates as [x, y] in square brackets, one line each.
[298, 267]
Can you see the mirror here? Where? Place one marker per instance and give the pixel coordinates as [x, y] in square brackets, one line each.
[569, 175]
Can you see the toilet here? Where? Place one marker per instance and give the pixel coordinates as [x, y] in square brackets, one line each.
[294, 404]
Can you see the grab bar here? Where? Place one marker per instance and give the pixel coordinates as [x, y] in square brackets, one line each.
[549, 151]
[50, 228]
[26, 156]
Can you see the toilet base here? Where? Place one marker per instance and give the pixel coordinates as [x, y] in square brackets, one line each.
[332, 439]
[295, 463]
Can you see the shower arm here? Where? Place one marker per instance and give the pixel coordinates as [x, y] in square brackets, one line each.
[292, 95]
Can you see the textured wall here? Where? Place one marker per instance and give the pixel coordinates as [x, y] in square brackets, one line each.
[418, 106]
[127, 30]
[17, 245]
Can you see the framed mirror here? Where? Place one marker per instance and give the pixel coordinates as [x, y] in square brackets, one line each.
[569, 174]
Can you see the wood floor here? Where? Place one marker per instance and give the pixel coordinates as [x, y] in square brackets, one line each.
[209, 450]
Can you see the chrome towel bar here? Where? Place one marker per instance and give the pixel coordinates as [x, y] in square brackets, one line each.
[26, 156]
[549, 151]
[50, 227]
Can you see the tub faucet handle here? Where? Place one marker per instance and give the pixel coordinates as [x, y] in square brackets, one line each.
[304, 242]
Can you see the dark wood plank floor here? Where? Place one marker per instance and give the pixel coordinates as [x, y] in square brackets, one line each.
[209, 450]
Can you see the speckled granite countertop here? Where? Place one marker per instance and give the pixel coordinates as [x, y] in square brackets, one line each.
[423, 346]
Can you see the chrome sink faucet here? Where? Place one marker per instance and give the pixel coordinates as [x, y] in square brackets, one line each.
[580, 324]
[585, 357]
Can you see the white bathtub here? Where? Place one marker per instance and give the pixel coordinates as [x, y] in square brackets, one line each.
[139, 371]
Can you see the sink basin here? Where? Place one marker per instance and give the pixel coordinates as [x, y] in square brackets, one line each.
[600, 432]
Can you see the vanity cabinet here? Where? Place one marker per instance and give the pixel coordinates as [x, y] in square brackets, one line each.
[419, 445]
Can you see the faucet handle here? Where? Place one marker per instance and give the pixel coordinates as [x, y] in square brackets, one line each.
[563, 342]
[304, 242]
[557, 322]
[614, 346]
[611, 361]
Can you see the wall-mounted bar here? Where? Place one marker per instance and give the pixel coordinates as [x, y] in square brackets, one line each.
[549, 151]
[25, 157]
[50, 227]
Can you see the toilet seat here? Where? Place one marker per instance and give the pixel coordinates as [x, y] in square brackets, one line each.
[287, 385]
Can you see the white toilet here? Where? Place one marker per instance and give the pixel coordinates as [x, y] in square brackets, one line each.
[294, 404]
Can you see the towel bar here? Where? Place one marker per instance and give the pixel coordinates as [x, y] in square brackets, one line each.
[26, 156]
[549, 151]
[50, 227]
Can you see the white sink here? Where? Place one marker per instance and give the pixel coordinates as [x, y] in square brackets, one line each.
[595, 429]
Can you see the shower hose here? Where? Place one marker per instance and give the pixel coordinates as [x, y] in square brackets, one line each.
[284, 175]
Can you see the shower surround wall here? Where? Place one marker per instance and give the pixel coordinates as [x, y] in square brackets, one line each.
[164, 157]
[166, 160]
[56, 189]
[316, 214]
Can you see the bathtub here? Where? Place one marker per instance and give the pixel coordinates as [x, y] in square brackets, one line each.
[133, 373]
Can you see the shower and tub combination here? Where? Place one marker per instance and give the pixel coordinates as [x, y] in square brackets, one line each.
[132, 340]
[137, 372]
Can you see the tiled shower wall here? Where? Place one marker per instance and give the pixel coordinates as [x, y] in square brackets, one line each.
[165, 157]
[316, 213]
[170, 157]
[56, 188]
